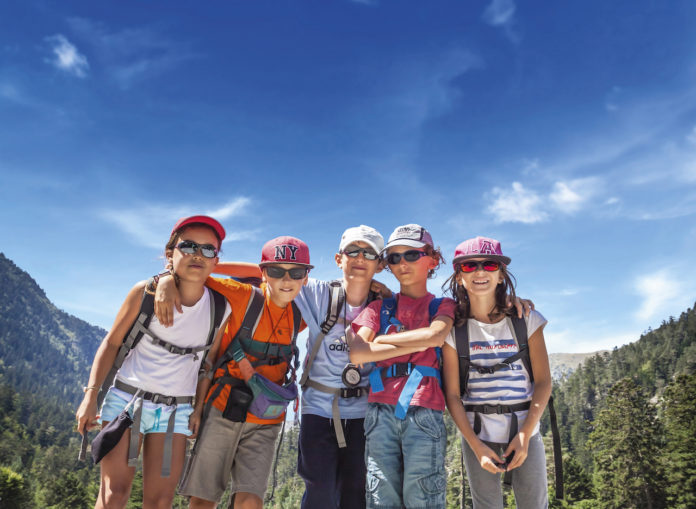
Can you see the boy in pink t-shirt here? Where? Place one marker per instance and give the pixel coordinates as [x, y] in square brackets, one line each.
[405, 437]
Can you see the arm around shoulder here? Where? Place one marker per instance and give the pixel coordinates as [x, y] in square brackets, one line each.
[238, 269]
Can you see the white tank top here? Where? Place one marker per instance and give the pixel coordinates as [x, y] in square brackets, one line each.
[154, 369]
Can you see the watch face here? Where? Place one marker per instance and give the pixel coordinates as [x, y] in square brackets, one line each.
[351, 376]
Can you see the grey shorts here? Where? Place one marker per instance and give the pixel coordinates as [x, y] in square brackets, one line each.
[240, 451]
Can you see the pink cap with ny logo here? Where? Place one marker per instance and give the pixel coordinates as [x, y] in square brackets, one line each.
[285, 250]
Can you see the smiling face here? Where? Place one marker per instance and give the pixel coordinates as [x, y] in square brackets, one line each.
[193, 267]
[282, 290]
[357, 268]
[480, 282]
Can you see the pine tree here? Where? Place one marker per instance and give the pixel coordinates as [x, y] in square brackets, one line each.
[626, 445]
[680, 448]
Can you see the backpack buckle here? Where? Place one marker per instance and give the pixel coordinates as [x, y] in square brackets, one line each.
[485, 370]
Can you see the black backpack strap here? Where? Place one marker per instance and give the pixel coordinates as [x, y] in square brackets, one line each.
[519, 331]
[134, 335]
[337, 297]
[461, 338]
[218, 304]
[252, 315]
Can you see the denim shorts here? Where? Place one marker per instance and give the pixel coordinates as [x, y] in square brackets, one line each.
[155, 417]
[405, 459]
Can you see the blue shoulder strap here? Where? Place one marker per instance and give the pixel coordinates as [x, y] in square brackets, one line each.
[387, 315]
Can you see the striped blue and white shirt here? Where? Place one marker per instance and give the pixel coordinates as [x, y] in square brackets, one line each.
[489, 344]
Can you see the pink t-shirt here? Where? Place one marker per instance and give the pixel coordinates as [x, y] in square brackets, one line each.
[413, 314]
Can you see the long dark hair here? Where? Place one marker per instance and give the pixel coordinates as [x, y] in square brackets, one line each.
[461, 296]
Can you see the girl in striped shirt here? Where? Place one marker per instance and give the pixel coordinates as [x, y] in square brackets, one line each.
[498, 409]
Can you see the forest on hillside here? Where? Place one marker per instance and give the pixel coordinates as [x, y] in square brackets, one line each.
[626, 417]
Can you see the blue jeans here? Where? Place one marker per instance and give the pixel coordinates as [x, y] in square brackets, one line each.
[405, 459]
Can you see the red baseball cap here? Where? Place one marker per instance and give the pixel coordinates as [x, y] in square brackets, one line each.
[285, 250]
[207, 220]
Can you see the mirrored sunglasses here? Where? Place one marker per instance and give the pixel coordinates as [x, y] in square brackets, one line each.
[368, 254]
[189, 247]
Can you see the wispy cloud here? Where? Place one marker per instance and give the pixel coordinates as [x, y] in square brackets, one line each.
[611, 101]
[147, 225]
[516, 205]
[131, 54]
[569, 197]
[66, 57]
[658, 291]
[520, 204]
[501, 14]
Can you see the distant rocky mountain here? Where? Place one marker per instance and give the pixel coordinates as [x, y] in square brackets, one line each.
[43, 350]
[565, 363]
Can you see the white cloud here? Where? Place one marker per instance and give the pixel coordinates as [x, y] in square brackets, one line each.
[233, 208]
[525, 205]
[658, 290]
[499, 12]
[569, 197]
[149, 224]
[67, 57]
[585, 341]
[517, 205]
[130, 55]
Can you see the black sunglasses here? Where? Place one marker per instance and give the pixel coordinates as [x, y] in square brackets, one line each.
[189, 247]
[410, 256]
[367, 254]
[279, 272]
[487, 265]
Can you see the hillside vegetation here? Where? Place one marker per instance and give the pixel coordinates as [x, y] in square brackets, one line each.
[627, 416]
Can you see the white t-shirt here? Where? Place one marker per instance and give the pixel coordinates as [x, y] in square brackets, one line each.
[489, 344]
[154, 369]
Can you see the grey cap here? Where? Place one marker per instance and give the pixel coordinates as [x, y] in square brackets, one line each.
[412, 235]
[362, 233]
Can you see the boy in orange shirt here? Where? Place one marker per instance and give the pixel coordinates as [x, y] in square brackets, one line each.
[234, 442]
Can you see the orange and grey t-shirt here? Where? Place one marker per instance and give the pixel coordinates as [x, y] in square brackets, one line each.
[275, 326]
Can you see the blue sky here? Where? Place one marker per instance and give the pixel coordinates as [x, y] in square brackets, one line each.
[565, 129]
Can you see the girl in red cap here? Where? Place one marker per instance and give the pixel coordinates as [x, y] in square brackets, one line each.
[156, 382]
[497, 382]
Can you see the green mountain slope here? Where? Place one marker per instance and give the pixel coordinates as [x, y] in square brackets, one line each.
[45, 355]
[43, 349]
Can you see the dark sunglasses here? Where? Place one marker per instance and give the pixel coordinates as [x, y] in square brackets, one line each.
[189, 247]
[487, 265]
[367, 254]
[279, 272]
[410, 256]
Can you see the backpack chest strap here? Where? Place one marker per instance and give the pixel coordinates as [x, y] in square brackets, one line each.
[415, 373]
